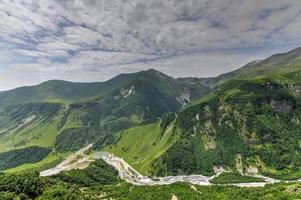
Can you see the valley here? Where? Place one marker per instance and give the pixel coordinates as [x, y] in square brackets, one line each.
[147, 129]
[81, 160]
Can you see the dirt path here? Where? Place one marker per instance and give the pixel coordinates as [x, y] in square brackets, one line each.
[77, 160]
[174, 197]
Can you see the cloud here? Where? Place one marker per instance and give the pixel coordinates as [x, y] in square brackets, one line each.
[97, 36]
[36, 54]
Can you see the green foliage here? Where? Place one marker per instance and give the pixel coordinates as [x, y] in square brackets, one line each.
[21, 156]
[61, 192]
[98, 173]
[189, 155]
[75, 138]
[8, 196]
[185, 191]
[50, 161]
[26, 185]
[105, 141]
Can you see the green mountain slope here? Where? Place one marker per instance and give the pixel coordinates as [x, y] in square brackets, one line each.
[249, 121]
[275, 64]
[250, 125]
[70, 123]
[141, 145]
[29, 125]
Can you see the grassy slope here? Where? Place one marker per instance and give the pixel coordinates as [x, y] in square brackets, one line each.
[40, 131]
[273, 65]
[105, 114]
[139, 146]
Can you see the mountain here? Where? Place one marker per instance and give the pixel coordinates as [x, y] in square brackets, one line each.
[247, 120]
[64, 116]
[249, 123]
[66, 92]
[278, 63]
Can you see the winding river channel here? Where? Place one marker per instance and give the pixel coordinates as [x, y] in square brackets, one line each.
[81, 160]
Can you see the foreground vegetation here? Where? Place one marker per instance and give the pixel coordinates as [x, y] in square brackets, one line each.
[100, 181]
[184, 191]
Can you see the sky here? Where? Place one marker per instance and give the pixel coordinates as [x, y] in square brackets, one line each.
[94, 40]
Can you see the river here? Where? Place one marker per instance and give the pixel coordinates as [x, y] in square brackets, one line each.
[80, 160]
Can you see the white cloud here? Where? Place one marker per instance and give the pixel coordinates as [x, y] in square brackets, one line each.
[95, 35]
[36, 54]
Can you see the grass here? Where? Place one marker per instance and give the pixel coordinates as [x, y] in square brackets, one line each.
[39, 132]
[46, 134]
[235, 177]
[286, 174]
[140, 145]
[50, 160]
[36, 133]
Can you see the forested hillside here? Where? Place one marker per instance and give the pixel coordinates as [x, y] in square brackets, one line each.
[251, 125]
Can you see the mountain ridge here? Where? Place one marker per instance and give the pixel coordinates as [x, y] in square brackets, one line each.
[244, 104]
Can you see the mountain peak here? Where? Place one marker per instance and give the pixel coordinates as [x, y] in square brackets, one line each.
[153, 72]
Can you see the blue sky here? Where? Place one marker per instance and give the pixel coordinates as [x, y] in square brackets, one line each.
[94, 40]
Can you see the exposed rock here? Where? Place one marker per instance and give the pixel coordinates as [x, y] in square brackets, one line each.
[296, 120]
[209, 142]
[296, 89]
[184, 98]
[116, 97]
[127, 92]
[25, 122]
[208, 125]
[283, 106]
[174, 197]
[252, 170]
[207, 108]
[238, 165]
[194, 188]
[218, 169]
[194, 130]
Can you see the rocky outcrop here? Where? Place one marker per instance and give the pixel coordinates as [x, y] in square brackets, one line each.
[296, 90]
[283, 106]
